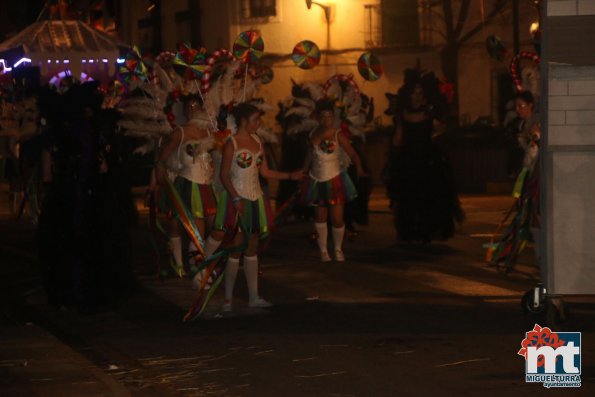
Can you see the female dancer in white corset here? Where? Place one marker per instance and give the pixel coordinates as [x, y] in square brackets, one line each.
[243, 201]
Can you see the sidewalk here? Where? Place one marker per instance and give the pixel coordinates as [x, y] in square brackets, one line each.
[34, 363]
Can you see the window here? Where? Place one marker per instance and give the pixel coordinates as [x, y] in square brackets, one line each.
[400, 23]
[372, 26]
[259, 8]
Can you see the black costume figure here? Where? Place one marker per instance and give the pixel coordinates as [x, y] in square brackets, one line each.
[86, 212]
[421, 186]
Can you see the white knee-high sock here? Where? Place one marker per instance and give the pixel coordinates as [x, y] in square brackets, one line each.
[322, 231]
[338, 233]
[211, 246]
[175, 245]
[231, 272]
[251, 272]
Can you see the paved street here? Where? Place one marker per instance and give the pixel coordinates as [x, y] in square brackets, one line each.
[393, 320]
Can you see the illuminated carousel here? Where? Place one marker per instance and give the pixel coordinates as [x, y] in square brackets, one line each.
[61, 48]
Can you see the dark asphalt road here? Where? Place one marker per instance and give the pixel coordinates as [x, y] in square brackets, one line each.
[392, 321]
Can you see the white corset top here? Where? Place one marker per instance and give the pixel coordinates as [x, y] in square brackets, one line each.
[326, 162]
[245, 170]
[197, 164]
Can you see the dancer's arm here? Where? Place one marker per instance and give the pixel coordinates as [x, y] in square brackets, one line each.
[346, 145]
[268, 173]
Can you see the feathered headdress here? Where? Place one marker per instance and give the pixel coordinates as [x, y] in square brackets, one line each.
[143, 116]
[296, 112]
[431, 86]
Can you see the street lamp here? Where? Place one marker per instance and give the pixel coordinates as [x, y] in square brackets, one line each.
[327, 17]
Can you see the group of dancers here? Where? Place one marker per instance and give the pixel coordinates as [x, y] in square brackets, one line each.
[218, 179]
[212, 167]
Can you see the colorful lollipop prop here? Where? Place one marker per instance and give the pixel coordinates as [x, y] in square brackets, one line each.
[194, 65]
[116, 88]
[248, 46]
[514, 67]
[370, 67]
[306, 54]
[192, 62]
[133, 68]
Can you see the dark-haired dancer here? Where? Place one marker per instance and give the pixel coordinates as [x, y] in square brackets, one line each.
[329, 187]
[421, 185]
[244, 201]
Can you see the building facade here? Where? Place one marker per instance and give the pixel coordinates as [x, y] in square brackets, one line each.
[403, 33]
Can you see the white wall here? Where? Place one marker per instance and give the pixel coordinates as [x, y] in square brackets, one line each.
[570, 7]
[570, 162]
[571, 147]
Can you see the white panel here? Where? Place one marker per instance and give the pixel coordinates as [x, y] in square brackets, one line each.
[581, 87]
[564, 135]
[586, 7]
[561, 7]
[580, 117]
[558, 87]
[579, 102]
[557, 117]
[572, 270]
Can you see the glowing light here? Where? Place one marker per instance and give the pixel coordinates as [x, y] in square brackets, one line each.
[91, 61]
[66, 73]
[84, 61]
[21, 61]
[66, 61]
[534, 27]
[120, 60]
[105, 60]
[4, 68]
